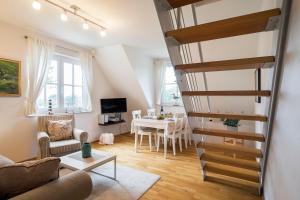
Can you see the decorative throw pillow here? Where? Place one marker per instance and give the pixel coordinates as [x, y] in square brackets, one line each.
[60, 130]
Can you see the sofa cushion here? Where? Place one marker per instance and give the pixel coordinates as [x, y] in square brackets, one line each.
[5, 161]
[64, 146]
[60, 130]
[18, 178]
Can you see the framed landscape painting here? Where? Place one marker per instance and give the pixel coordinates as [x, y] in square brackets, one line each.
[10, 78]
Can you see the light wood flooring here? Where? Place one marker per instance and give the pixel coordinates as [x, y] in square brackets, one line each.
[180, 175]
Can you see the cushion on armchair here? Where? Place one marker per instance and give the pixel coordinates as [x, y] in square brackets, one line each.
[17, 178]
[64, 146]
[60, 130]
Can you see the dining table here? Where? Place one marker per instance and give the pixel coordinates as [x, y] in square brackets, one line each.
[164, 125]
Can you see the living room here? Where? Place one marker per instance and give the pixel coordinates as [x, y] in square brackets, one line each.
[160, 99]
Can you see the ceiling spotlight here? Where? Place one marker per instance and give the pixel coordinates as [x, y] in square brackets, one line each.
[36, 5]
[102, 33]
[64, 16]
[85, 26]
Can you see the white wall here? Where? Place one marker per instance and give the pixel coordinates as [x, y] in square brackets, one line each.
[144, 72]
[119, 71]
[283, 174]
[17, 132]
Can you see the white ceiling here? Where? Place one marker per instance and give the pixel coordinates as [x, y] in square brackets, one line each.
[130, 22]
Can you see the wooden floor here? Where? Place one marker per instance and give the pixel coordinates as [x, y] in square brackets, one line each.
[180, 176]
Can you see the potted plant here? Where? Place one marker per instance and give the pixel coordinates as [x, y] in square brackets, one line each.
[232, 124]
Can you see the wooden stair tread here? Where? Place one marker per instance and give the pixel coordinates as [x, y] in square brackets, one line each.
[230, 134]
[225, 160]
[232, 172]
[246, 24]
[237, 64]
[229, 116]
[231, 149]
[180, 3]
[265, 93]
[250, 187]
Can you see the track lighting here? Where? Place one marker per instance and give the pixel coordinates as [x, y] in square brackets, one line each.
[102, 33]
[85, 26]
[73, 10]
[64, 16]
[36, 5]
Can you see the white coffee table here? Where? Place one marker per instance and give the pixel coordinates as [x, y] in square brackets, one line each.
[75, 161]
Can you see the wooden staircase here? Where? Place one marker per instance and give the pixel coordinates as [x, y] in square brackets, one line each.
[245, 169]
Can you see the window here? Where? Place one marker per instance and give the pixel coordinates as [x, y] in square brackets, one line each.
[171, 93]
[64, 86]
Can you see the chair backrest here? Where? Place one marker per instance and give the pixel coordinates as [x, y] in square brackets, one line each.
[43, 120]
[179, 115]
[184, 121]
[151, 112]
[136, 114]
[178, 124]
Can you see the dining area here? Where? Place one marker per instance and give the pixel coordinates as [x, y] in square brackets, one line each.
[160, 130]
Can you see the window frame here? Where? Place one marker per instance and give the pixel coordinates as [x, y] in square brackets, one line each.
[61, 60]
[165, 84]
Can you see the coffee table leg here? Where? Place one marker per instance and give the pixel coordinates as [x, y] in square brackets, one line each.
[115, 168]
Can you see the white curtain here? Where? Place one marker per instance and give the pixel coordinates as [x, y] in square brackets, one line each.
[86, 60]
[160, 66]
[39, 53]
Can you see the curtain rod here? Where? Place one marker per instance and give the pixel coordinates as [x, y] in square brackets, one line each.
[59, 46]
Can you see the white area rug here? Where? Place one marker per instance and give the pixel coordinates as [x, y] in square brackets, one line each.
[131, 183]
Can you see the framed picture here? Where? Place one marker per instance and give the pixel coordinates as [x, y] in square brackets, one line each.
[258, 84]
[10, 78]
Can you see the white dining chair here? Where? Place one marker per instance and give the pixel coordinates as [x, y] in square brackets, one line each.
[185, 132]
[173, 134]
[137, 114]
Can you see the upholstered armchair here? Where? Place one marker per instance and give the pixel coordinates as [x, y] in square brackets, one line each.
[48, 148]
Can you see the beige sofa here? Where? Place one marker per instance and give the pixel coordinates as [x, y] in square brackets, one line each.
[49, 148]
[39, 180]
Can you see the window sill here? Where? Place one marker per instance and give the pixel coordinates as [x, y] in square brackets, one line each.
[57, 114]
[168, 105]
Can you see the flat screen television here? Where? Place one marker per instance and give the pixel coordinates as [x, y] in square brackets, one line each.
[117, 105]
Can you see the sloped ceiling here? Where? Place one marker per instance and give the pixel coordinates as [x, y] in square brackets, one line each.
[130, 22]
[118, 70]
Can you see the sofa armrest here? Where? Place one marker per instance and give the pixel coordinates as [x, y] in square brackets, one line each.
[75, 186]
[44, 144]
[80, 135]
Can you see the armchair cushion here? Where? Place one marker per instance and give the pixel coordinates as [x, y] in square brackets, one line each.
[64, 146]
[21, 177]
[60, 130]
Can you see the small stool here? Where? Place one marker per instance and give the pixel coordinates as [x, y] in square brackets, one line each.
[106, 138]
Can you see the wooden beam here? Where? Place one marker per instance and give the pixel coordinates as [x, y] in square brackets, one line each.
[246, 24]
[265, 93]
[225, 65]
[229, 116]
[230, 134]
